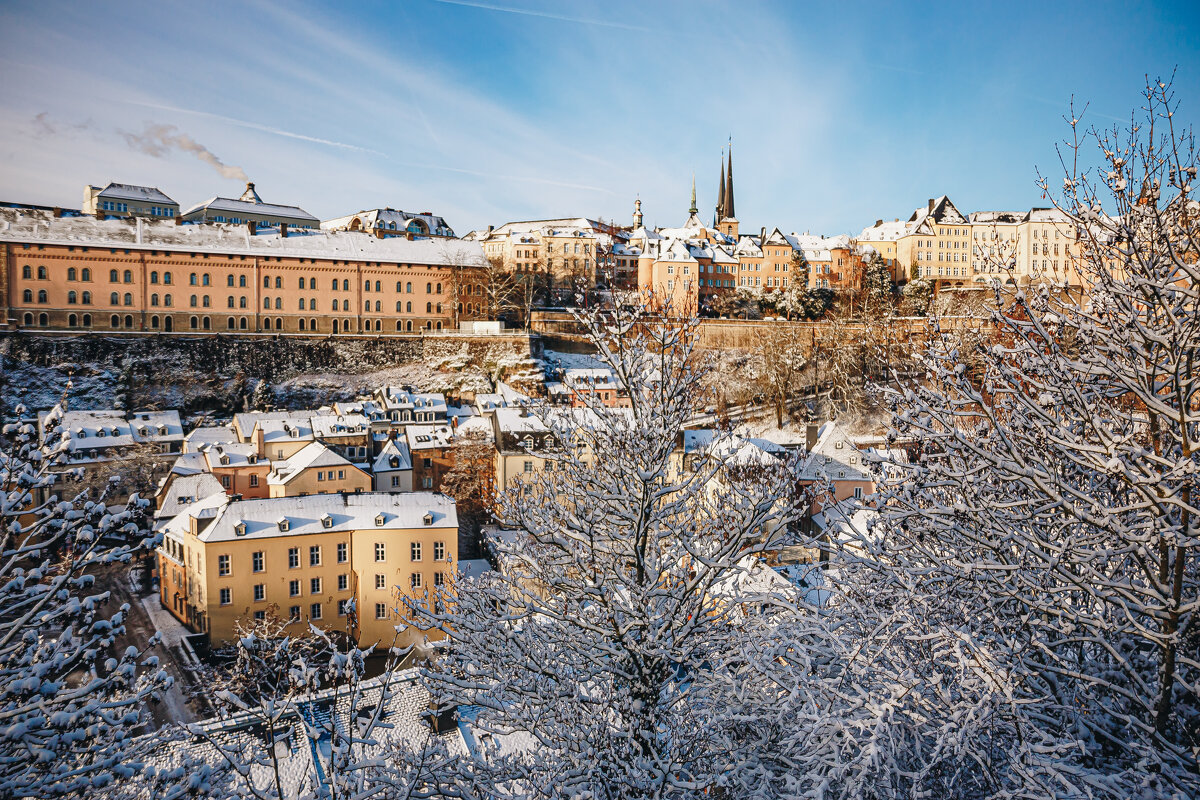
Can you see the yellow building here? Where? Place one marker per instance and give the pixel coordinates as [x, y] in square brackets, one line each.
[316, 469]
[937, 243]
[340, 562]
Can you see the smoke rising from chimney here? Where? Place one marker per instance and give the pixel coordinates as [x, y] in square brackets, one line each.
[158, 140]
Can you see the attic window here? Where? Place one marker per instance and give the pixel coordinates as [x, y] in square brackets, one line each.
[283, 524]
[100, 433]
[293, 433]
[326, 521]
[838, 445]
[239, 529]
[224, 461]
[379, 520]
[252, 458]
[162, 430]
[428, 518]
[853, 459]
[116, 431]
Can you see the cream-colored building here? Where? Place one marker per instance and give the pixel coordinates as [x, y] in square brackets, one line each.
[316, 469]
[340, 562]
[127, 200]
[1020, 247]
[937, 244]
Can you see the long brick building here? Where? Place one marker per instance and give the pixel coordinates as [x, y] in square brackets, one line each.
[82, 273]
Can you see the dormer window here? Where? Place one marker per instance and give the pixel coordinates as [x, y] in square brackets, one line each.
[326, 521]
[428, 518]
[293, 433]
[224, 461]
[162, 430]
[239, 529]
[379, 520]
[116, 431]
[100, 433]
[283, 524]
[838, 445]
[252, 458]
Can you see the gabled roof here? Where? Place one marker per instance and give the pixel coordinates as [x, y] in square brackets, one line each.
[391, 219]
[312, 456]
[940, 211]
[128, 191]
[835, 456]
[392, 457]
[185, 490]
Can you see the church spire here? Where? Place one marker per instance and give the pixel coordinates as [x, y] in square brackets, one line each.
[720, 213]
[728, 202]
[692, 209]
[637, 213]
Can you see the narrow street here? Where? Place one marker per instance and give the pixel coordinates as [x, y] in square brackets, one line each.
[183, 702]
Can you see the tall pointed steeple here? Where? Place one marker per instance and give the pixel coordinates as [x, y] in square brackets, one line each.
[692, 208]
[720, 213]
[729, 187]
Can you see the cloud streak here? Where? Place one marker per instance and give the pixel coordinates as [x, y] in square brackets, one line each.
[526, 12]
[159, 140]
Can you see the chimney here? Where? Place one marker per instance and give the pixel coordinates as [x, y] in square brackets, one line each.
[931, 205]
[251, 227]
[178, 220]
[441, 718]
[878, 222]
[379, 233]
[810, 436]
[491, 228]
[762, 235]
[100, 214]
[57, 212]
[283, 230]
[408, 235]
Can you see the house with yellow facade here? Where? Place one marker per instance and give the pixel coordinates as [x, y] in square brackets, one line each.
[341, 562]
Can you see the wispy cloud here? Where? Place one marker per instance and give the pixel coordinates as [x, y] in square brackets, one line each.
[157, 140]
[529, 12]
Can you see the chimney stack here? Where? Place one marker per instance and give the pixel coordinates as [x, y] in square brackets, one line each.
[251, 227]
[491, 228]
[878, 222]
[811, 433]
[178, 219]
[762, 235]
[931, 205]
[57, 212]
[283, 230]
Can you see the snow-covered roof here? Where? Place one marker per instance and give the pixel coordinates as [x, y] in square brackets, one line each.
[185, 490]
[208, 434]
[428, 437]
[251, 203]
[231, 454]
[884, 232]
[290, 430]
[835, 456]
[156, 426]
[393, 456]
[300, 516]
[18, 225]
[105, 429]
[399, 398]
[311, 456]
[998, 217]
[391, 219]
[325, 426]
[128, 191]
[241, 735]
[940, 211]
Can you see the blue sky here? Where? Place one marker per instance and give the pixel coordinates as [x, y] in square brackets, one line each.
[485, 112]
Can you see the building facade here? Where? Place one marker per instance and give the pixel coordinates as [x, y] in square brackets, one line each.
[81, 273]
[127, 200]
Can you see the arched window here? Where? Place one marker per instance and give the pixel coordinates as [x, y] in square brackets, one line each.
[313, 281]
[44, 320]
[302, 302]
[408, 307]
[167, 300]
[398, 286]
[128, 276]
[113, 277]
[116, 321]
[114, 299]
[241, 302]
[27, 295]
[397, 306]
[346, 285]
[266, 323]
[229, 301]
[230, 324]
[266, 302]
[153, 299]
[72, 321]
[27, 273]
[302, 286]
[128, 299]
[278, 282]
[86, 274]
[87, 320]
[337, 306]
[192, 279]
[439, 325]
[278, 303]
[41, 273]
[206, 324]
[242, 323]
[154, 322]
[399, 326]
[378, 324]
[312, 304]
[206, 280]
[439, 308]
[302, 323]
[193, 302]
[346, 325]
[128, 321]
[229, 280]
[429, 288]
[439, 288]
[377, 306]
[279, 323]
[195, 323]
[154, 277]
[72, 298]
[29, 319]
[366, 305]
[87, 298]
[71, 274]
[167, 278]
[429, 308]
[312, 324]
[335, 284]
[408, 287]
[206, 301]
[266, 282]
[378, 286]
